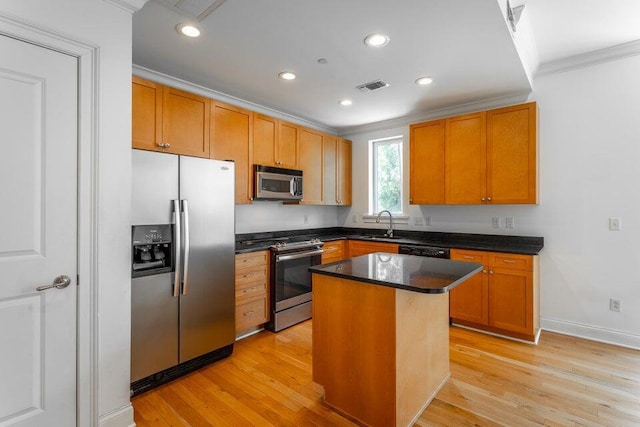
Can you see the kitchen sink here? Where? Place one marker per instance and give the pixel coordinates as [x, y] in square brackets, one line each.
[377, 236]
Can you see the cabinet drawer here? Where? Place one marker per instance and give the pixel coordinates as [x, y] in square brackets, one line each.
[512, 261]
[470, 256]
[251, 291]
[248, 277]
[251, 313]
[333, 251]
[250, 260]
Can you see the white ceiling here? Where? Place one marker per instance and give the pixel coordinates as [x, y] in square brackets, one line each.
[465, 45]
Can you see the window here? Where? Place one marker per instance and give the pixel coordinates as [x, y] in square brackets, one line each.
[386, 174]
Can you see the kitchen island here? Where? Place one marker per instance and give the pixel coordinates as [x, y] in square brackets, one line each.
[381, 334]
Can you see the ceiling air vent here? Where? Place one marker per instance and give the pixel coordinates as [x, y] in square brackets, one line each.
[192, 9]
[371, 86]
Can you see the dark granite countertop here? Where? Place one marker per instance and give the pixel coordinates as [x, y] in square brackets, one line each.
[408, 272]
[526, 245]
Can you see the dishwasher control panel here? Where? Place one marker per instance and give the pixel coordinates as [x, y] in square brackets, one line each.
[425, 251]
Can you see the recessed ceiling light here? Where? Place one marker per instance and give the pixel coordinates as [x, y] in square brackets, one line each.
[376, 40]
[345, 102]
[188, 30]
[287, 75]
[423, 81]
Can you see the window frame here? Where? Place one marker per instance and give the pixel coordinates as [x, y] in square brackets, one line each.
[373, 144]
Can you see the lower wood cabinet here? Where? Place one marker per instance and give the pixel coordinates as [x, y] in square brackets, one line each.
[252, 291]
[503, 298]
[334, 251]
[360, 247]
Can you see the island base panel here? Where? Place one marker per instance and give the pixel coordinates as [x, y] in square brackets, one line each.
[380, 353]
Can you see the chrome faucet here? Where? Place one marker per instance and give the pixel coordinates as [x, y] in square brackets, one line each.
[389, 232]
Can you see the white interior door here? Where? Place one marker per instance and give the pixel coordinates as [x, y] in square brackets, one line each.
[38, 235]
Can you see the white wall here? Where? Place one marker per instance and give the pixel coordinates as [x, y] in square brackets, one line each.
[589, 140]
[275, 216]
[107, 27]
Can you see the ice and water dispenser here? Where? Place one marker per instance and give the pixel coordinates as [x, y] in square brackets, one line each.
[152, 249]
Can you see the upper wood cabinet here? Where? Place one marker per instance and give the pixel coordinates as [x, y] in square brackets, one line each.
[330, 169]
[512, 155]
[489, 157]
[465, 159]
[231, 132]
[336, 171]
[426, 163]
[310, 145]
[275, 143]
[169, 120]
[343, 186]
[288, 152]
[173, 121]
[146, 114]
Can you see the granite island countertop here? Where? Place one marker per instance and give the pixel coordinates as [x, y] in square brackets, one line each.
[408, 272]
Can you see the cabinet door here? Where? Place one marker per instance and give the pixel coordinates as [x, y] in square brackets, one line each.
[310, 146]
[185, 122]
[469, 300]
[287, 146]
[146, 114]
[330, 169]
[511, 300]
[426, 163]
[265, 132]
[343, 186]
[465, 159]
[230, 135]
[359, 247]
[512, 155]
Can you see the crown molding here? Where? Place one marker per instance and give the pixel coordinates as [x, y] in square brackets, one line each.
[131, 6]
[590, 58]
[485, 104]
[165, 79]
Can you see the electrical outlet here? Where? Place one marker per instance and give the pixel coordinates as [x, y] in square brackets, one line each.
[418, 221]
[615, 223]
[495, 222]
[354, 218]
[508, 222]
[306, 219]
[614, 304]
[427, 221]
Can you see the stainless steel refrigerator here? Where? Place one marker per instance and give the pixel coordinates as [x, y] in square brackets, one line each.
[185, 314]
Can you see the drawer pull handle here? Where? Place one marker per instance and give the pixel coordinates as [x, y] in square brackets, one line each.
[248, 275]
[249, 290]
[248, 313]
[509, 261]
[469, 257]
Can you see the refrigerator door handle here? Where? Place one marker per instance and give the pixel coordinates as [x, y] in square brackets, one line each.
[185, 223]
[177, 237]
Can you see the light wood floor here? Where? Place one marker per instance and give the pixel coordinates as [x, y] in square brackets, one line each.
[563, 381]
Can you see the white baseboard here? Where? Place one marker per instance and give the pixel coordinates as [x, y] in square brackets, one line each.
[608, 336]
[121, 417]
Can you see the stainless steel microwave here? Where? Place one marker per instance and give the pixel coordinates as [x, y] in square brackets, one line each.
[277, 183]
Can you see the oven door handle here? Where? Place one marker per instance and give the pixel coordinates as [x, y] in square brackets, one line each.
[298, 255]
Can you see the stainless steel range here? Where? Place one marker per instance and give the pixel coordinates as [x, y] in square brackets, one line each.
[291, 281]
